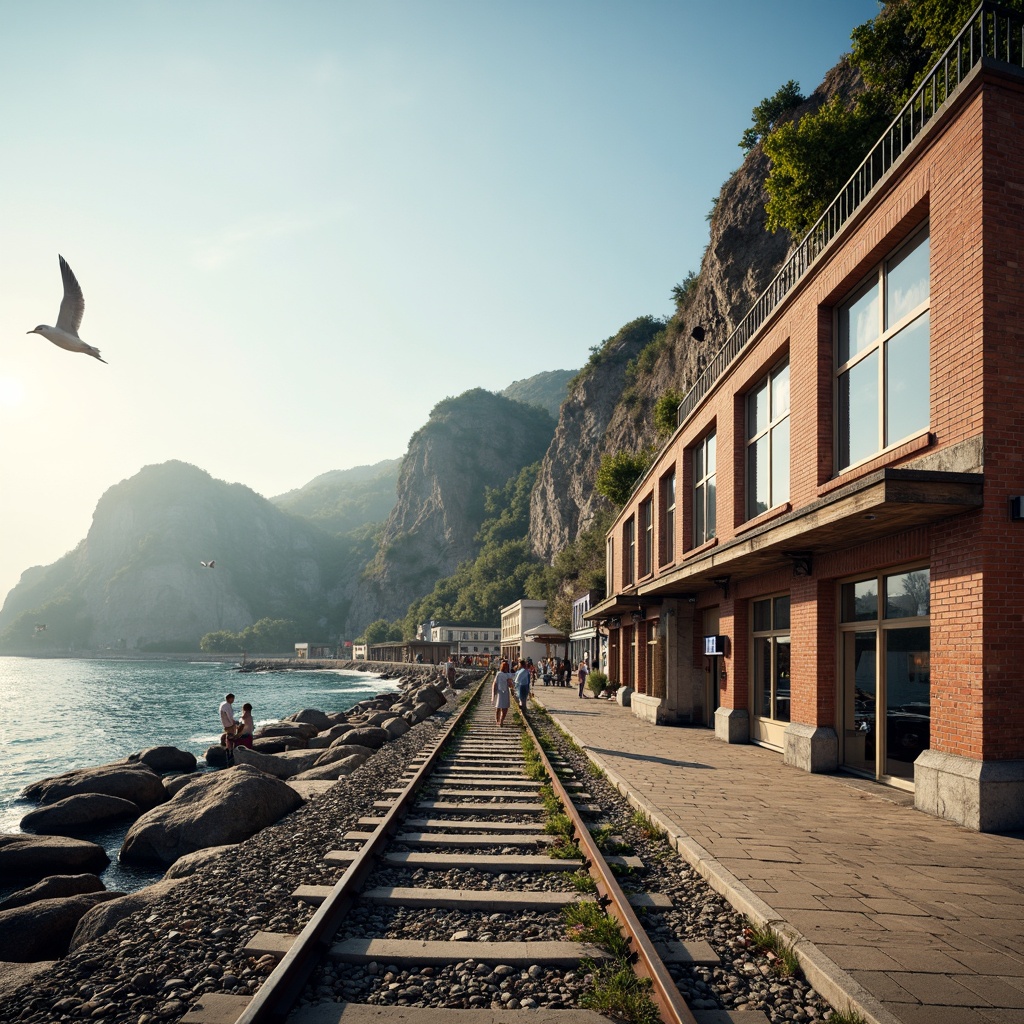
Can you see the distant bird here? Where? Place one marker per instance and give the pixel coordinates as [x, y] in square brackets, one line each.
[208, 565]
[69, 319]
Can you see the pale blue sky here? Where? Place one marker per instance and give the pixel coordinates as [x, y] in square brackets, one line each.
[298, 226]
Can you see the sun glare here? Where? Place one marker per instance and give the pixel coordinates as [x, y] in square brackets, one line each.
[12, 392]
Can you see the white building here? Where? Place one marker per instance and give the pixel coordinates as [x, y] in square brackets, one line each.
[476, 641]
[516, 619]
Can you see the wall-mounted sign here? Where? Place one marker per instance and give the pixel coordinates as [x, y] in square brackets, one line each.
[714, 645]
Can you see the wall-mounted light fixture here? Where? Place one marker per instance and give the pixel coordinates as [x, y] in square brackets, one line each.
[638, 615]
[803, 562]
[722, 582]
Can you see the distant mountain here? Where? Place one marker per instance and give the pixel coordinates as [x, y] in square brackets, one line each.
[548, 390]
[136, 580]
[344, 500]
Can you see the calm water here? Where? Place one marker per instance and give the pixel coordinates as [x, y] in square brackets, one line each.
[58, 714]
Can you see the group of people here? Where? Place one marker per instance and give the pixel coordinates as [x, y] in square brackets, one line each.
[504, 683]
[559, 672]
[237, 732]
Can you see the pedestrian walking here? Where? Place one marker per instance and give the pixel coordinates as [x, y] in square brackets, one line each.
[522, 685]
[500, 693]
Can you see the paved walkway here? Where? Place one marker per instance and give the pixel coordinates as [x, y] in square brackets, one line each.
[906, 917]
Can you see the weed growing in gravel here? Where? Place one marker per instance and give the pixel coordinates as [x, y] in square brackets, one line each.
[783, 958]
[643, 822]
[617, 992]
[582, 882]
[533, 765]
[552, 805]
[559, 825]
[846, 1017]
[609, 842]
[595, 770]
[564, 849]
[589, 923]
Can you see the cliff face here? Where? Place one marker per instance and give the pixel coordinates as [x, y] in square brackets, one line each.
[477, 440]
[609, 410]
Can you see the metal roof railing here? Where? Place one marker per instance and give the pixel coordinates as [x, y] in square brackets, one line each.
[994, 34]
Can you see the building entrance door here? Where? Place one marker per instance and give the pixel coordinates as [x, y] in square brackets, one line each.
[885, 647]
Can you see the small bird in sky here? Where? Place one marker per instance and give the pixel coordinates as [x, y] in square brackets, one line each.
[69, 319]
[208, 565]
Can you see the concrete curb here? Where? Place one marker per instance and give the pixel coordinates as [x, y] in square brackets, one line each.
[828, 978]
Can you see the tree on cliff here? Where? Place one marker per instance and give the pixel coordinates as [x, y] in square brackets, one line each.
[812, 158]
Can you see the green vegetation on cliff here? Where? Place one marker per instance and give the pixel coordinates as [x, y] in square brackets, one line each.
[812, 158]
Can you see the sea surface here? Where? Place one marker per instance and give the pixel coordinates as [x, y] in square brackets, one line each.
[59, 714]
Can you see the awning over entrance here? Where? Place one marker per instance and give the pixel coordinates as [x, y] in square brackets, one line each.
[882, 503]
[877, 505]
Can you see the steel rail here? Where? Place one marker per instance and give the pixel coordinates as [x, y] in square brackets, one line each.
[647, 963]
[278, 994]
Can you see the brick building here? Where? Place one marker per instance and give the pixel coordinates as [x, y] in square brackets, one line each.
[825, 559]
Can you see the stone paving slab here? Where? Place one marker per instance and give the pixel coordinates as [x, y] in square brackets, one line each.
[902, 916]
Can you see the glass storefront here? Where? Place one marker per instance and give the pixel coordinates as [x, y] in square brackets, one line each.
[886, 649]
[771, 647]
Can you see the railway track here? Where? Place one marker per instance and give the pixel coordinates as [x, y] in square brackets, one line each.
[394, 934]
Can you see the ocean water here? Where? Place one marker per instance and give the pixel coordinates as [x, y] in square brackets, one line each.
[59, 714]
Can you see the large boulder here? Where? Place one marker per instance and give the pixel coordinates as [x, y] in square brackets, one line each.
[300, 729]
[166, 759]
[100, 919]
[334, 770]
[395, 726]
[311, 716]
[78, 813]
[277, 744]
[216, 757]
[133, 782]
[226, 807]
[43, 930]
[365, 736]
[281, 766]
[430, 694]
[174, 784]
[377, 718]
[339, 753]
[51, 888]
[192, 862]
[35, 857]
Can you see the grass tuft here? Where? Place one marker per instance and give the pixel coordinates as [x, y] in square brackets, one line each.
[618, 993]
[784, 961]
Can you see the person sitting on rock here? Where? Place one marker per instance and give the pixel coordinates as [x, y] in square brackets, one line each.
[243, 737]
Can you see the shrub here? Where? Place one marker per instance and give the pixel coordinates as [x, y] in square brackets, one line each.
[596, 682]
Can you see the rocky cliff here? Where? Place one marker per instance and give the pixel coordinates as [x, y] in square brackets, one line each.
[610, 405]
[472, 442]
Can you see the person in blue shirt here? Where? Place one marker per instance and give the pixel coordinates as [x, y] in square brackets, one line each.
[522, 684]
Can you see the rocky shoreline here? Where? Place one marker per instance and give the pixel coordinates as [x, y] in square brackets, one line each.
[76, 919]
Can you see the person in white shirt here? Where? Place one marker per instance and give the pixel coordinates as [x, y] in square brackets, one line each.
[228, 722]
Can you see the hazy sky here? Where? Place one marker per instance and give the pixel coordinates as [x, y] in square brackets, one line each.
[298, 226]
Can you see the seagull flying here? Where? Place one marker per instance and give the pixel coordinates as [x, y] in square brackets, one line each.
[72, 306]
[208, 565]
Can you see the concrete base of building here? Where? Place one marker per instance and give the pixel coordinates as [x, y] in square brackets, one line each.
[987, 796]
[648, 709]
[810, 747]
[624, 696]
[732, 725]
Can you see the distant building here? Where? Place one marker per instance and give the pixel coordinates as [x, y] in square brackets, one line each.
[318, 652]
[586, 641]
[477, 641]
[516, 619]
